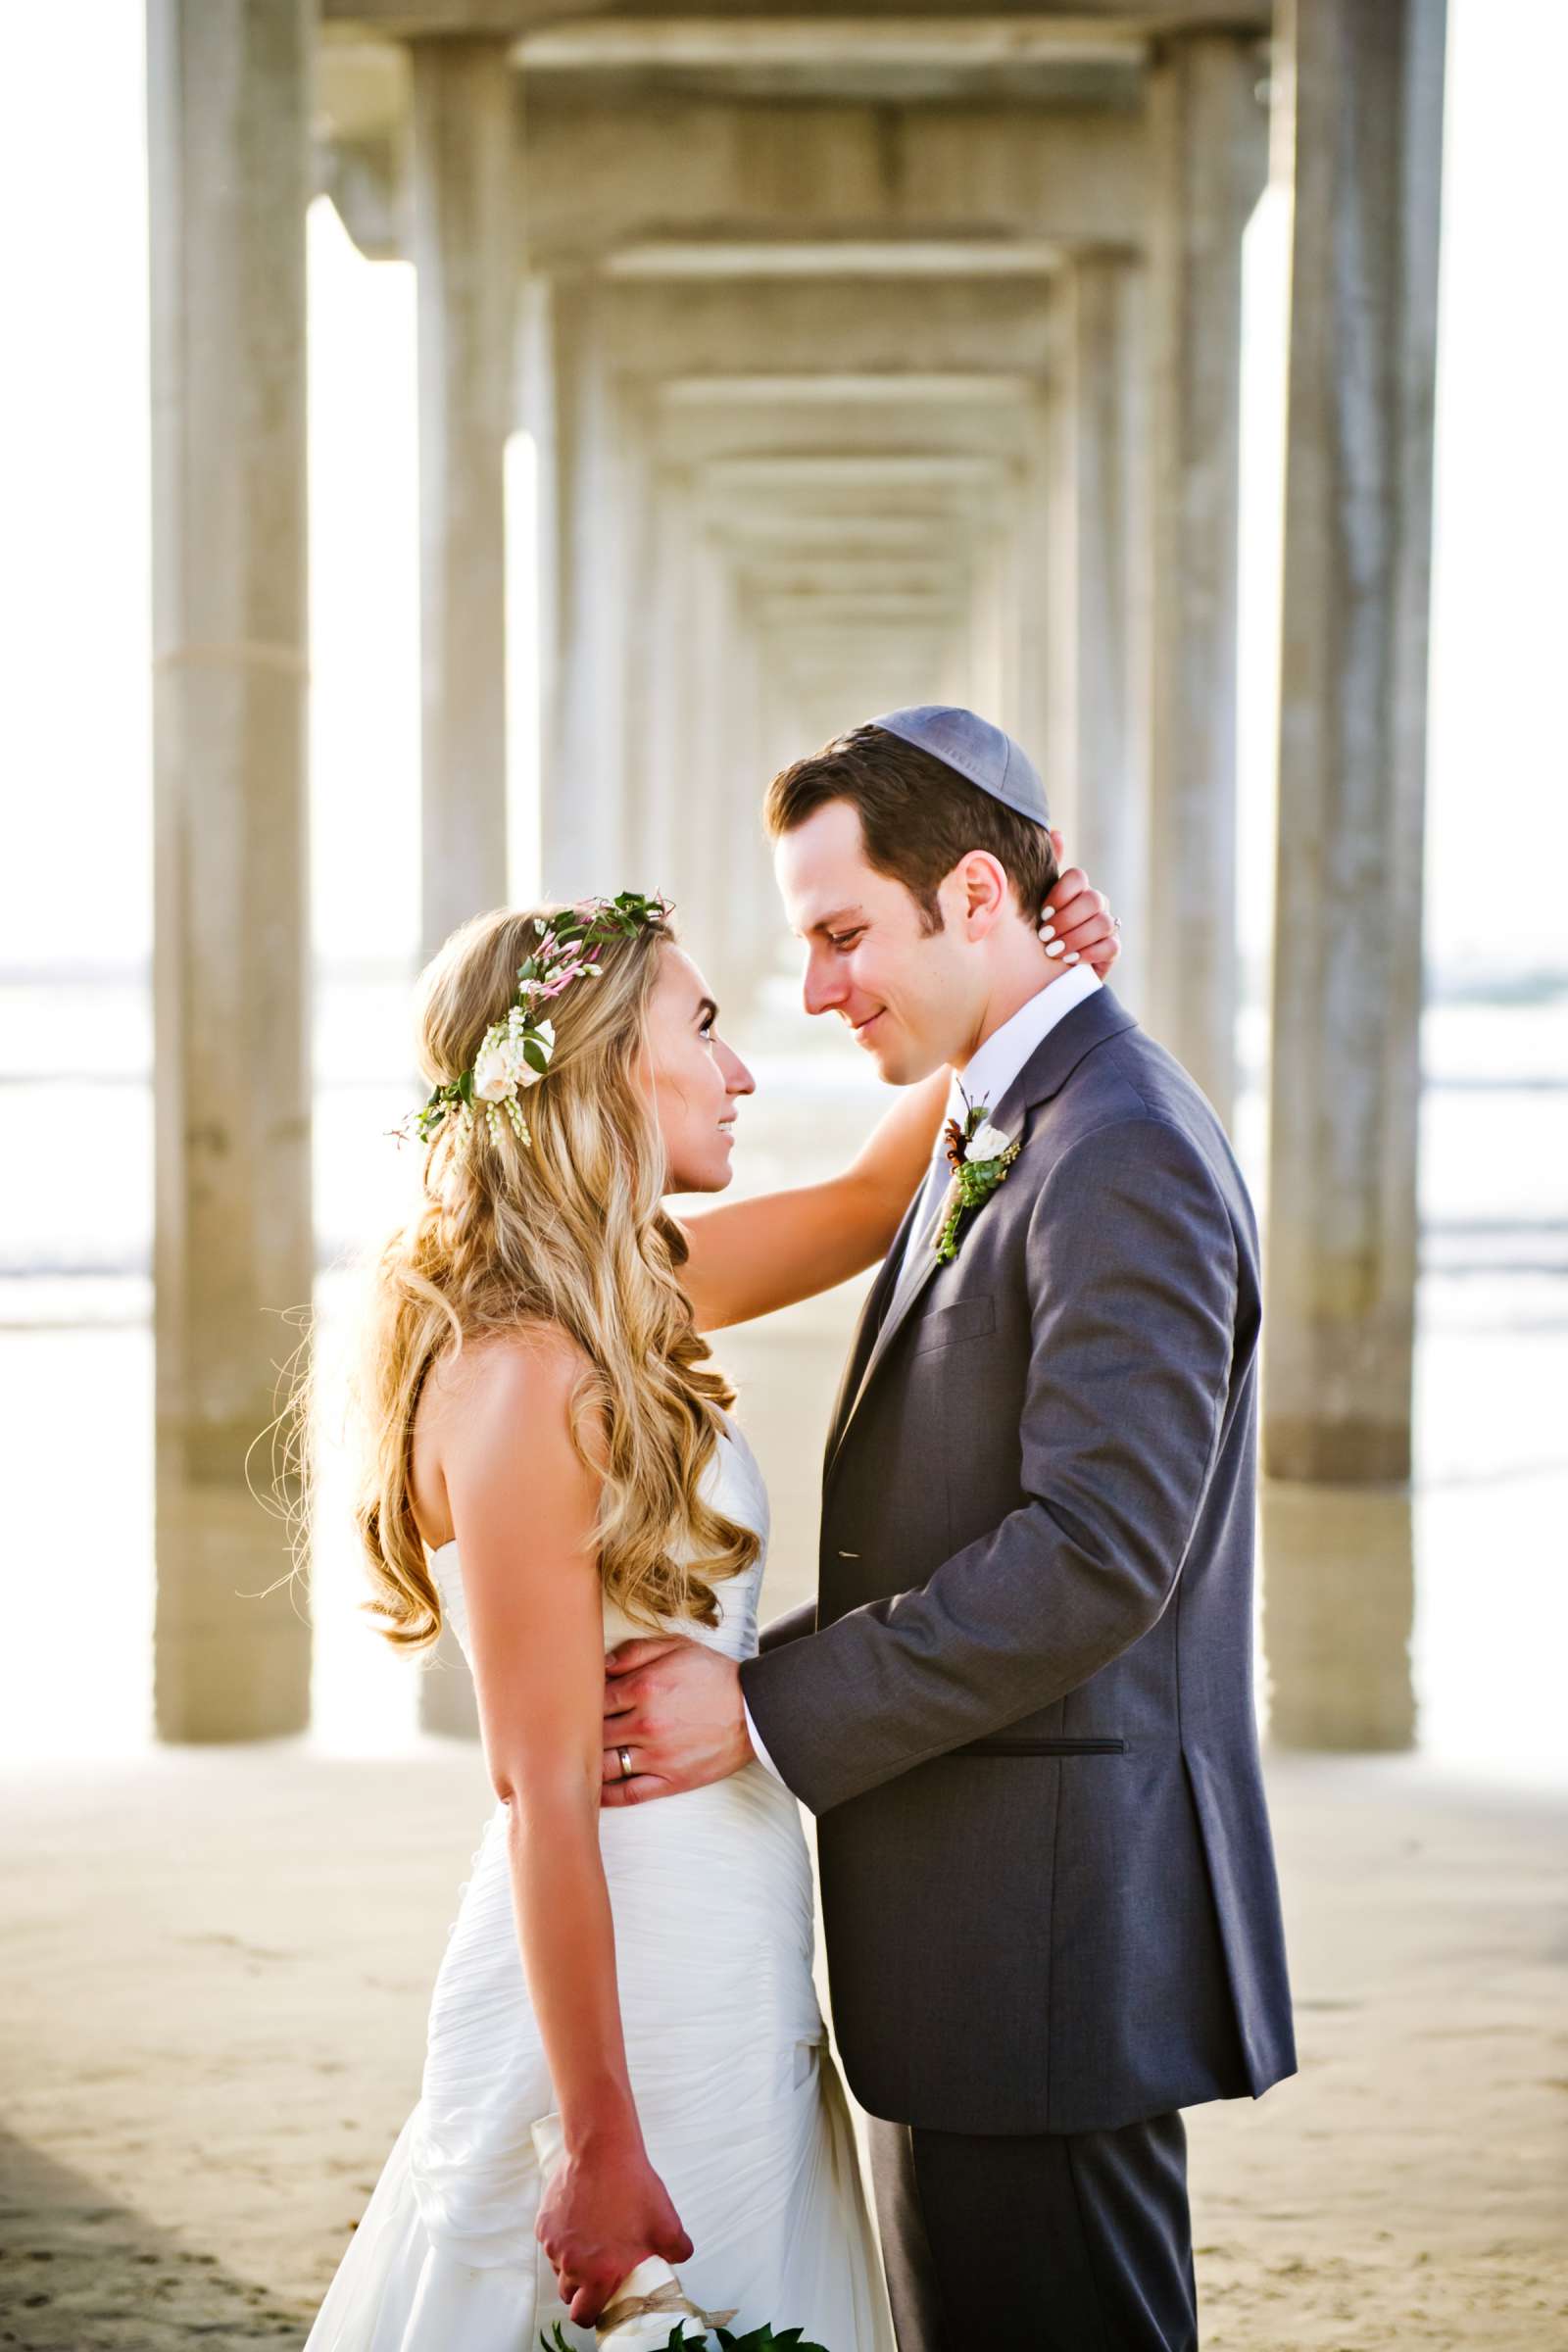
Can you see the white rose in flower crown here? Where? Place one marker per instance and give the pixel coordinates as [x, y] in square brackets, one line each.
[986, 1142]
[502, 1066]
[494, 1076]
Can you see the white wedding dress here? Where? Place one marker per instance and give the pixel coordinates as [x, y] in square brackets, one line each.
[741, 2106]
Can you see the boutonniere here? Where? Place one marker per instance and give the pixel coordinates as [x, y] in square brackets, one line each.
[979, 1155]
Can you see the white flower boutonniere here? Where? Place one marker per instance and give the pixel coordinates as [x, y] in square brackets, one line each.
[988, 1142]
[979, 1155]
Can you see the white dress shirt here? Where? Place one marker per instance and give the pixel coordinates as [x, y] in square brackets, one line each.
[984, 1079]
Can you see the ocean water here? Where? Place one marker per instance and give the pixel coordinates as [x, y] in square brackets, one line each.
[1436, 1617]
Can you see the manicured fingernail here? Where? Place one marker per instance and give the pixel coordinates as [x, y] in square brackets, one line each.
[1073, 957]
[1048, 930]
[1054, 948]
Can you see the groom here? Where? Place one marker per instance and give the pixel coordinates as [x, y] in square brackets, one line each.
[1021, 1707]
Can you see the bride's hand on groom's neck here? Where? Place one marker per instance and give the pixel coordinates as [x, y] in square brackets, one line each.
[673, 1719]
[1076, 923]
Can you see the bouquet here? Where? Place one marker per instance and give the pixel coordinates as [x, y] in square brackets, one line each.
[650, 2309]
[648, 2298]
[759, 2339]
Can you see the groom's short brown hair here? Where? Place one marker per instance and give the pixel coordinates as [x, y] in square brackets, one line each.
[918, 816]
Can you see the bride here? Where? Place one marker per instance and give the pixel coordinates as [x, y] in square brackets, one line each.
[551, 1466]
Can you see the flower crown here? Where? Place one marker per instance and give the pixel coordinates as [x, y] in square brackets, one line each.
[516, 1053]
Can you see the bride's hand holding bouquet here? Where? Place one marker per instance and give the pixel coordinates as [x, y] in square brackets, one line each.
[604, 2211]
[612, 2234]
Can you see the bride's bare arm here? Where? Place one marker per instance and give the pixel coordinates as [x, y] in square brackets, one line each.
[523, 1509]
[750, 1256]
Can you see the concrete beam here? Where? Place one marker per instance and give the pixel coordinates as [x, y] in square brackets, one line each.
[828, 390]
[835, 611]
[779, 527]
[600, 178]
[855, 574]
[694, 435]
[413, 18]
[359, 133]
[836, 256]
[968, 43]
[229, 79]
[655, 328]
[923, 470]
[1365, 90]
[1210, 143]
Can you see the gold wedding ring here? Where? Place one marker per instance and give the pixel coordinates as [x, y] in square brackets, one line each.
[624, 1753]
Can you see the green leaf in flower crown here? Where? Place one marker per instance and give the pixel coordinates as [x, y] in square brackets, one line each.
[534, 1054]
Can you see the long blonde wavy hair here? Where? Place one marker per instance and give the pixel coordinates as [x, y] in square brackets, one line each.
[570, 1229]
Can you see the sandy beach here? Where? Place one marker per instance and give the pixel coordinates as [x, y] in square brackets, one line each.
[215, 1978]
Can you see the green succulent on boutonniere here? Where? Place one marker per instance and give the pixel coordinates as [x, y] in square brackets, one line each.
[979, 1155]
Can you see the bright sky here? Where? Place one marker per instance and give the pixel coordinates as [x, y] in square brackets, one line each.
[73, 492]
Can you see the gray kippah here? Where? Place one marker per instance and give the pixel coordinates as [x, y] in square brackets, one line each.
[979, 752]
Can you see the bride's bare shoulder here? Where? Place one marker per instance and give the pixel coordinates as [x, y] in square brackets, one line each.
[537, 1361]
[475, 1399]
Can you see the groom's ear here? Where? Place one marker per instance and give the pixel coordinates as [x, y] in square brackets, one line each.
[985, 889]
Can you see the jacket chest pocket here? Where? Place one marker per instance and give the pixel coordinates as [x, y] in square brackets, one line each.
[945, 1326]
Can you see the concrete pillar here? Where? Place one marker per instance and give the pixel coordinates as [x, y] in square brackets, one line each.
[465, 222]
[583, 617]
[1338, 1610]
[662, 748]
[1099, 536]
[1367, 105]
[228, 120]
[754, 919]
[1209, 161]
[707, 784]
[1024, 592]
[466, 230]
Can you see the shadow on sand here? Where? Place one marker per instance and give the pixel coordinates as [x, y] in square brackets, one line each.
[80, 2275]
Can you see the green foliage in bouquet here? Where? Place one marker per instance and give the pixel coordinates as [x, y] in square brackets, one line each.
[759, 2339]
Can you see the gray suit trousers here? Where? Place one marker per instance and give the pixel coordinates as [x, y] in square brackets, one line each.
[1057, 2243]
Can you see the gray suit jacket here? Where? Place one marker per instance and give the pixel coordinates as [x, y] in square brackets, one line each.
[1023, 1706]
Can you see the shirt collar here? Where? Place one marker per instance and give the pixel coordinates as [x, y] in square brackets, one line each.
[986, 1076]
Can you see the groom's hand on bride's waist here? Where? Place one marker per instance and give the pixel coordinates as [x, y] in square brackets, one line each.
[673, 1719]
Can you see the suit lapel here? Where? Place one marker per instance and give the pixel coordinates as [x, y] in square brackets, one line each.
[868, 1326]
[1059, 1054]
[888, 1331]
[1043, 1075]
